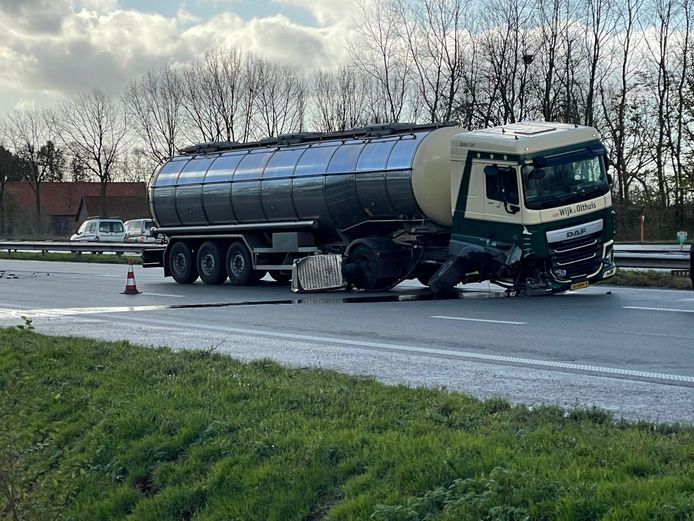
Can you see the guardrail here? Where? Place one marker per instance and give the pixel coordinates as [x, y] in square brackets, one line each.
[660, 256]
[78, 247]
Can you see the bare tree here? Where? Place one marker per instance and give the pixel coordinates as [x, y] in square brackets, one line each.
[622, 125]
[338, 100]
[215, 94]
[600, 28]
[379, 52]
[136, 166]
[11, 169]
[279, 98]
[660, 82]
[93, 128]
[547, 53]
[27, 131]
[434, 33]
[505, 41]
[677, 120]
[154, 104]
[467, 102]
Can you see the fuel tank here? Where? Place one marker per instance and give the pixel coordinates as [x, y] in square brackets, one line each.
[387, 173]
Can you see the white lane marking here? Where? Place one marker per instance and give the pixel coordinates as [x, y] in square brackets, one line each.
[481, 357]
[163, 295]
[660, 309]
[480, 320]
[59, 312]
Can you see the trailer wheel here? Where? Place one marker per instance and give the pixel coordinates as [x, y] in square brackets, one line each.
[239, 266]
[181, 265]
[281, 276]
[210, 264]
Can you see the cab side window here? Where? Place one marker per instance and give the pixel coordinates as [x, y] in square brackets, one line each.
[502, 185]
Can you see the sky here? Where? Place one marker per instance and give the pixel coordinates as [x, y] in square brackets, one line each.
[53, 48]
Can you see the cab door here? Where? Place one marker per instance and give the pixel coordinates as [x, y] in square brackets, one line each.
[501, 195]
[501, 202]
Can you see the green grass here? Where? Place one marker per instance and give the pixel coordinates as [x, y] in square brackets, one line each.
[649, 279]
[72, 257]
[93, 430]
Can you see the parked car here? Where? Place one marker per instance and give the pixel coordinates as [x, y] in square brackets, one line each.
[100, 230]
[139, 230]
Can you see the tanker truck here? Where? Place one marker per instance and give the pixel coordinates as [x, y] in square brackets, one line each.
[526, 206]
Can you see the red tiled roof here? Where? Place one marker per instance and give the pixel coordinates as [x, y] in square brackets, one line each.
[65, 198]
[124, 207]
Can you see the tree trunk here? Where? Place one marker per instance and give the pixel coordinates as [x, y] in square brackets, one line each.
[104, 205]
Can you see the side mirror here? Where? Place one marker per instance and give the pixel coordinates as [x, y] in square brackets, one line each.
[536, 173]
[491, 170]
[610, 180]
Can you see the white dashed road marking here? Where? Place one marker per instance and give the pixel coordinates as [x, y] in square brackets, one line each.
[660, 309]
[481, 320]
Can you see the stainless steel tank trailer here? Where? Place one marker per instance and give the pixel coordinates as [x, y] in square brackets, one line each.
[526, 206]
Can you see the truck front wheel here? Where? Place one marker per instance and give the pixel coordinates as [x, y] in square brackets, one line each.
[239, 267]
[181, 265]
[210, 264]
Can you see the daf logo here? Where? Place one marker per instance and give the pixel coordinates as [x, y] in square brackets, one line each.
[575, 233]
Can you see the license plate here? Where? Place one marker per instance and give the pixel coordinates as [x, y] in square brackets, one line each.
[580, 285]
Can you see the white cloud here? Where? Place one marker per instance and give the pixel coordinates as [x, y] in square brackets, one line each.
[78, 45]
[326, 12]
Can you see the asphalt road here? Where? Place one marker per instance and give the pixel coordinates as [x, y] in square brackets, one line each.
[630, 351]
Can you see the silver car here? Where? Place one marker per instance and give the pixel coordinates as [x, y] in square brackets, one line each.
[100, 230]
[139, 230]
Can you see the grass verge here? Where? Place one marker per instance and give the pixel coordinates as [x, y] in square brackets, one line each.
[96, 430]
[648, 279]
[72, 257]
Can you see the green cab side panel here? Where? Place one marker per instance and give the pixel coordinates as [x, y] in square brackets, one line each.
[479, 233]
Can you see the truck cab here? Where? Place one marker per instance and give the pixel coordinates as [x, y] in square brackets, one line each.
[531, 202]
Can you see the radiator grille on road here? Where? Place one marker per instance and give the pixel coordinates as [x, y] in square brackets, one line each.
[317, 272]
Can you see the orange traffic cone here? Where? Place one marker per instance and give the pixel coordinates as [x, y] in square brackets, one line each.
[130, 287]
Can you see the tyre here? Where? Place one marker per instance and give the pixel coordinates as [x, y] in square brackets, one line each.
[181, 264]
[425, 272]
[281, 276]
[210, 264]
[239, 266]
[365, 262]
[448, 275]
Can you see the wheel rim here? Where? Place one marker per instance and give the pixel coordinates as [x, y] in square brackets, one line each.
[207, 264]
[179, 263]
[238, 265]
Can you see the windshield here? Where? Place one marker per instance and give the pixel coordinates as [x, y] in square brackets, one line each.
[564, 183]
